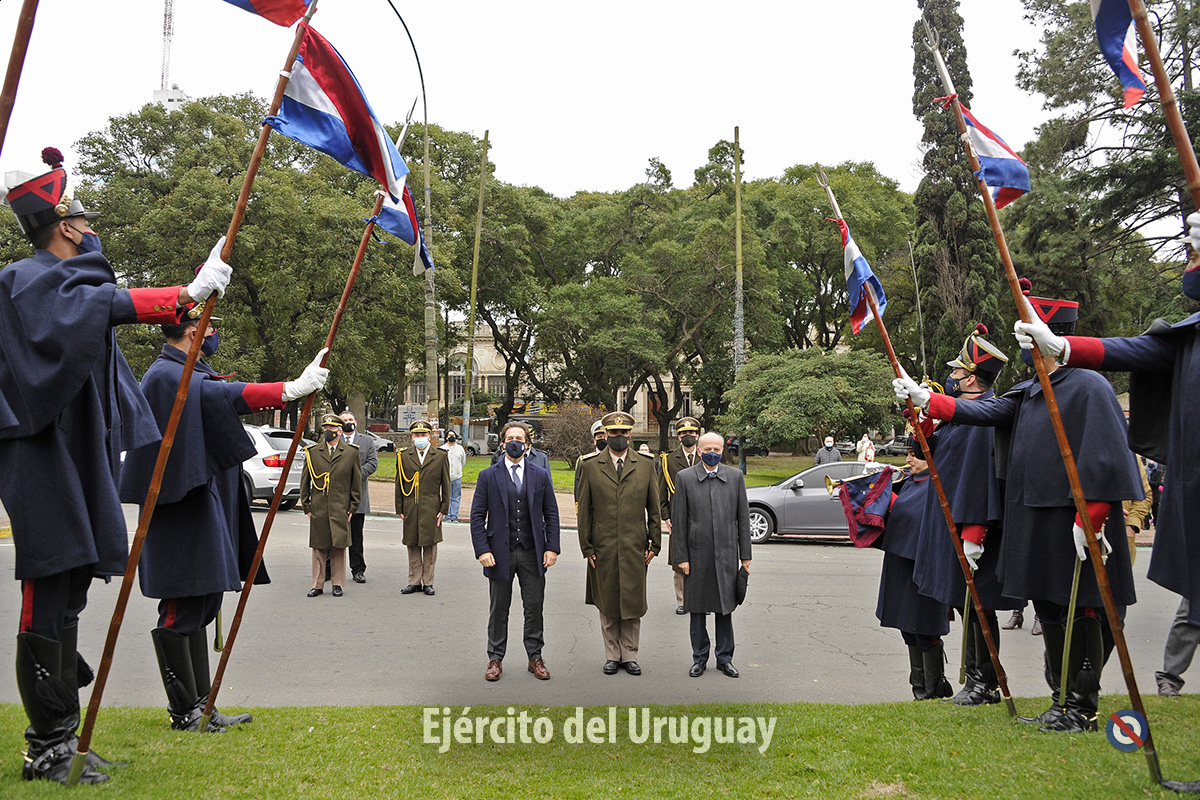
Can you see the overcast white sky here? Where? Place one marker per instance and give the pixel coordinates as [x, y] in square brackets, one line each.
[576, 96]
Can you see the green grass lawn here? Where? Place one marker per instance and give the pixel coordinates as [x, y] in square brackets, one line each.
[895, 750]
[761, 471]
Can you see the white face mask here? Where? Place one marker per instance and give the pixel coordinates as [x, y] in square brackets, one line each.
[420, 442]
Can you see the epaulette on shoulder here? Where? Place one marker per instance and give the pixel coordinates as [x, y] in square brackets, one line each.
[352, 444]
[402, 450]
[589, 455]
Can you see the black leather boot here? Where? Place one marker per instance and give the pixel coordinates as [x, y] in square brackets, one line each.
[1053, 636]
[179, 680]
[934, 664]
[53, 710]
[198, 646]
[985, 688]
[76, 672]
[1085, 663]
[916, 673]
[968, 657]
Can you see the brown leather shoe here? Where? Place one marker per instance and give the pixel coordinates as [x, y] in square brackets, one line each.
[538, 668]
[494, 669]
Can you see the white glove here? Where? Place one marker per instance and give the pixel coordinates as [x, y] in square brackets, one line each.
[1028, 333]
[212, 277]
[312, 379]
[973, 552]
[1081, 547]
[906, 388]
[1193, 235]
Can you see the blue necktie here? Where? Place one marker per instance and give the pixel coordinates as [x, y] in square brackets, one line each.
[516, 478]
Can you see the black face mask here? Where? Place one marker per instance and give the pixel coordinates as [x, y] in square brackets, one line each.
[348, 427]
[618, 444]
[601, 444]
[688, 440]
[1191, 284]
[331, 436]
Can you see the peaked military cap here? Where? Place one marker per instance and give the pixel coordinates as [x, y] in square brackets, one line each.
[617, 421]
[420, 426]
[687, 424]
[597, 426]
[980, 356]
[331, 419]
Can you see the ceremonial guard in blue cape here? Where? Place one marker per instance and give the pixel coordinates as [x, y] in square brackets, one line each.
[201, 538]
[668, 465]
[1043, 540]
[967, 469]
[422, 498]
[69, 405]
[1164, 384]
[920, 619]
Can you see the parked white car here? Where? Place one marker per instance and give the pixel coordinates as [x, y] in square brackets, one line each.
[262, 470]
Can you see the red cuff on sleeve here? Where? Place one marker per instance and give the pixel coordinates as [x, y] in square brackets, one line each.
[157, 305]
[263, 395]
[974, 533]
[1098, 512]
[1087, 352]
[941, 407]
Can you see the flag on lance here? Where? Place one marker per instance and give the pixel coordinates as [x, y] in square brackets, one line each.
[858, 277]
[400, 220]
[325, 108]
[1114, 34]
[1003, 169]
[281, 12]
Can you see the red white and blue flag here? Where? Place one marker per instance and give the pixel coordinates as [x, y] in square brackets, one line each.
[1114, 34]
[401, 221]
[1003, 169]
[858, 277]
[281, 12]
[324, 108]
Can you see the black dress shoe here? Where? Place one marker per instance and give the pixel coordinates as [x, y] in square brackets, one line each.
[632, 667]
[679, 610]
[611, 667]
[315, 592]
[697, 670]
[429, 590]
[729, 669]
[337, 591]
[359, 577]
[411, 588]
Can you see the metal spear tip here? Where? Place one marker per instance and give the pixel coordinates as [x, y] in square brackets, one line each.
[822, 178]
[932, 40]
[408, 119]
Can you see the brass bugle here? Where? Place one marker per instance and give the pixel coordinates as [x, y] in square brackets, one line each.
[832, 483]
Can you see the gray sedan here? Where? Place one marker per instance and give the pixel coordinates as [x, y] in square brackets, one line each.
[800, 505]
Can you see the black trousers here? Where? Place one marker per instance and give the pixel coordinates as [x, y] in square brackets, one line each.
[188, 615]
[523, 565]
[357, 564]
[54, 602]
[700, 642]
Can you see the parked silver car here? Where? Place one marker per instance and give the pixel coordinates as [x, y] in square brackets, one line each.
[262, 470]
[801, 505]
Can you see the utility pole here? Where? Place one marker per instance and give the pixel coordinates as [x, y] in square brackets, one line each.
[739, 327]
[466, 433]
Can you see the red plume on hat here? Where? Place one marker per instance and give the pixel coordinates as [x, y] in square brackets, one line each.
[52, 157]
[1026, 286]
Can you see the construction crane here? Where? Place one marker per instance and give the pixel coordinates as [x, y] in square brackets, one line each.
[168, 33]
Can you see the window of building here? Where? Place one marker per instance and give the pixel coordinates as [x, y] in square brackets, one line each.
[686, 409]
[496, 386]
[458, 387]
[416, 393]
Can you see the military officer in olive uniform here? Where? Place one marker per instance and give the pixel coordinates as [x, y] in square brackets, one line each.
[668, 465]
[330, 491]
[422, 500]
[620, 531]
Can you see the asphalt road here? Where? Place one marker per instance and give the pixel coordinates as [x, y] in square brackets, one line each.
[806, 633]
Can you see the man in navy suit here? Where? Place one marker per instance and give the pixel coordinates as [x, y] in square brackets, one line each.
[514, 528]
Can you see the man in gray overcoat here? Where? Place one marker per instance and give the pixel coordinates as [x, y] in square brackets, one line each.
[710, 524]
[330, 491]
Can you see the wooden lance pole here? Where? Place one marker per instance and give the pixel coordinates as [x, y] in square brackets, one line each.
[16, 62]
[301, 423]
[1060, 434]
[1166, 96]
[1001, 676]
[164, 451]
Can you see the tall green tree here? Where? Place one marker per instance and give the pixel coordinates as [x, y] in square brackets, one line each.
[958, 267]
